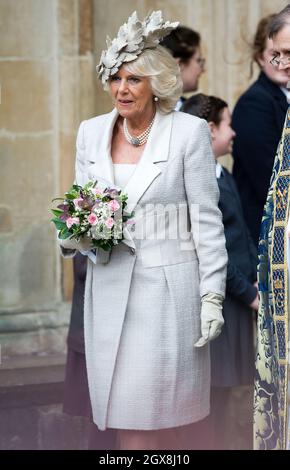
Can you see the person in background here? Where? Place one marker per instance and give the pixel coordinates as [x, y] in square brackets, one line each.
[272, 387]
[185, 46]
[232, 353]
[258, 119]
[76, 400]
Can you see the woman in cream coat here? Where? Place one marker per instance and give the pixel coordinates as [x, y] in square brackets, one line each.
[159, 293]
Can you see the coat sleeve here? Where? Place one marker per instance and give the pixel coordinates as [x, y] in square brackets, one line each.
[256, 140]
[67, 250]
[206, 220]
[238, 286]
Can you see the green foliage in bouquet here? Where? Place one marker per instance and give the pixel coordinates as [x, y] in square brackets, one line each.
[94, 212]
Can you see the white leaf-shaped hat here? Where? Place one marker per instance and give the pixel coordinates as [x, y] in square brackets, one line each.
[133, 38]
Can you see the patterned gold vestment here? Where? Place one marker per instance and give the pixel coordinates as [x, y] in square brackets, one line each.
[271, 382]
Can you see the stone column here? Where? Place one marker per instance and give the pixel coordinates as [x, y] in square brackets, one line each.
[46, 90]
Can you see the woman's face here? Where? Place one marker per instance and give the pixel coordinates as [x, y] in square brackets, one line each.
[132, 94]
[222, 135]
[191, 71]
[277, 75]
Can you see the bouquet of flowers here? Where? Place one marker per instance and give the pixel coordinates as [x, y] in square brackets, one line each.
[93, 212]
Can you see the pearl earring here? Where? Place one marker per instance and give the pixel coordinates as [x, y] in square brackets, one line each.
[156, 98]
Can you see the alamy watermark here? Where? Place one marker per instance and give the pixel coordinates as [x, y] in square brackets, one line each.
[161, 222]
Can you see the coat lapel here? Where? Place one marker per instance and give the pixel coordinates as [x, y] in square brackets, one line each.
[156, 150]
[101, 162]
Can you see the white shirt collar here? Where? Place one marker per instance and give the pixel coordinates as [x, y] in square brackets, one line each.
[286, 92]
[218, 170]
[178, 105]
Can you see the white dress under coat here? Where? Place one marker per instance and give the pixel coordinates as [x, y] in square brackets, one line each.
[142, 308]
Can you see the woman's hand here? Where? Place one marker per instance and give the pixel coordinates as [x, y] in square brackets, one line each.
[211, 319]
[255, 304]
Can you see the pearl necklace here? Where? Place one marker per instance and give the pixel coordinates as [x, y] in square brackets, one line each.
[140, 139]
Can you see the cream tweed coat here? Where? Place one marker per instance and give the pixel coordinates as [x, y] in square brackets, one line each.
[142, 308]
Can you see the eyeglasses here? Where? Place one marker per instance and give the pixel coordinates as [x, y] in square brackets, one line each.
[276, 61]
[201, 62]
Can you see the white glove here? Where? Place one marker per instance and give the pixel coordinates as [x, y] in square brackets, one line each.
[211, 318]
[85, 244]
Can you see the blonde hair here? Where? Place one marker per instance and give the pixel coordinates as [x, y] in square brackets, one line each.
[164, 75]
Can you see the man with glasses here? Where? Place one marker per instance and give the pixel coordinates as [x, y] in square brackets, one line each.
[271, 410]
[281, 59]
[280, 33]
[258, 121]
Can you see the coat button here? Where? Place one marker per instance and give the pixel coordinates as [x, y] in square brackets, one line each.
[132, 251]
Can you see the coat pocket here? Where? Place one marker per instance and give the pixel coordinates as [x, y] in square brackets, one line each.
[166, 253]
[183, 287]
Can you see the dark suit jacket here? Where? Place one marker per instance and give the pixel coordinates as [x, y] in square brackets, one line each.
[232, 353]
[76, 327]
[76, 399]
[258, 120]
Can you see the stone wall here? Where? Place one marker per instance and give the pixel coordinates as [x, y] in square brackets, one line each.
[47, 86]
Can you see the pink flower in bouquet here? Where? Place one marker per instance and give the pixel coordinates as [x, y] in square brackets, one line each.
[114, 205]
[97, 190]
[109, 222]
[78, 203]
[92, 219]
[72, 221]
